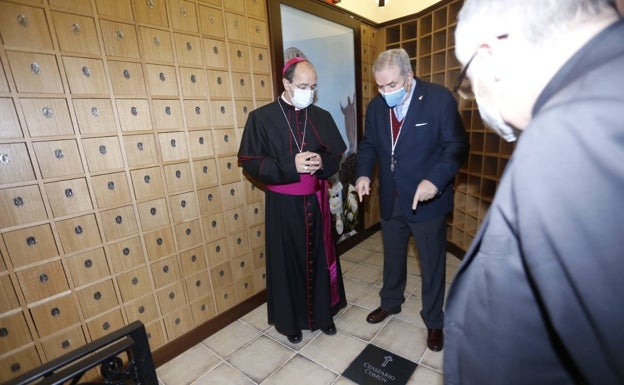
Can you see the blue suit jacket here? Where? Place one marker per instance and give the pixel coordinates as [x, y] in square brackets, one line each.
[432, 145]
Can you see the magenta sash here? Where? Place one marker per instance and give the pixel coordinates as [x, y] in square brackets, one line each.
[310, 184]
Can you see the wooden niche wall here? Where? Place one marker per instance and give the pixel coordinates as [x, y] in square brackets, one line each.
[120, 194]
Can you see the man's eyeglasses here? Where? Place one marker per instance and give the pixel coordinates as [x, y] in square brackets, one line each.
[463, 87]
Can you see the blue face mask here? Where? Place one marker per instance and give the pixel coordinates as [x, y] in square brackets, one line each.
[394, 97]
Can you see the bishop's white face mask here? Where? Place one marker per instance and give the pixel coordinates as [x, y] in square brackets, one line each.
[492, 117]
[302, 98]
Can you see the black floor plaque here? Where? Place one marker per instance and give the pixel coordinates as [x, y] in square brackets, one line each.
[376, 366]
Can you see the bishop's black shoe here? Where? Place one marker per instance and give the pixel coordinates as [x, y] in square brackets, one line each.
[295, 338]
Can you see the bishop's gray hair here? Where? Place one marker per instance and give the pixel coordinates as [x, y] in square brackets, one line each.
[395, 56]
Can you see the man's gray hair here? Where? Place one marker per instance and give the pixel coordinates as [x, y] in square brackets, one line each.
[395, 56]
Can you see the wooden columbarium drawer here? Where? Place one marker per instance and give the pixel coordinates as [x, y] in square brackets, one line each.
[70, 196]
[221, 275]
[240, 58]
[119, 223]
[153, 214]
[127, 254]
[140, 150]
[235, 5]
[150, 12]
[217, 252]
[214, 226]
[253, 193]
[85, 76]
[120, 39]
[242, 266]
[21, 205]
[24, 26]
[183, 15]
[97, 299]
[238, 244]
[111, 190]
[232, 195]
[197, 113]
[103, 153]
[143, 309]
[236, 27]
[225, 141]
[235, 220]
[156, 334]
[171, 298]
[18, 363]
[148, 183]
[179, 177]
[244, 288]
[134, 114]
[243, 108]
[9, 124]
[263, 87]
[258, 256]
[105, 324]
[74, 5]
[35, 72]
[58, 158]
[87, 267]
[260, 60]
[255, 213]
[134, 284]
[173, 146]
[15, 164]
[225, 298]
[256, 8]
[95, 116]
[241, 82]
[161, 80]
[198, 285]
[219, 84]
[188, 49]
[78, 233]
[126, 77]
[209, 200]
[183, 206]
[156, 44]
[203, 309]
[179, 322]
[258, 32]
[188, 234]
[76, 33]
[192, 261]
[159, 244]
[167, 114]
[30, 245]
[215, 54]
[55, 315]
[8, 301]
[205, 173]
[165, 271]
[47, 117]
[193, 82]
[63, 342]
[256, 236]
[211, 22]
[116, 9]
[14, 332]
[259, 279]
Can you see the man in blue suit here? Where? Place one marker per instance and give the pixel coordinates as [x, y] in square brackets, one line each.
[415, 134]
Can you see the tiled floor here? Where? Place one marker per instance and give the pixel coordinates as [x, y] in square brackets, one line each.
[249, 351]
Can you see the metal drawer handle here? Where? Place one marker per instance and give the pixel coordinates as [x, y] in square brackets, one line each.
[22, 20]
[119, 35]
[197, 110]
[88, 263]
[162, 76]
[226, 138]
[183, 203]
[4, 332]
[55, 312]
[193, 79]
[214, 223]
[205, 169]
[239, 53]
[95, 112]
[141, 309]
[159, 241]
[183, 11]
[165, 269]
[262, 83]
[126, 74]
[134, 111]
[69, 192]
[215, 49]
[147, 179]
[168, 110]
[86, 71]
[197, 283]
[189, 47]
[156, 40]
[188, 232]
[225, 296]
[211, 19]
[229, 165]
[153, 211]
[242, 82]
[16, 367]
[43, 278]
[75, 29]
[222, 109]
[140, 146]
[173, 143]
[48, 112]
[235, 23]
[135, 281]
[78, 230]
[97, 296]
[106, 325]
[258, 233]
[193, 258]
[242, 264]
[219, 80]
[246, 285]
[58, 154]
[126, 251]
[245, 109]
[31, 241]
[238, 241]
[221, 273]
[118, 219]
[111, 185]
[235, 216]
[102, 149]
[177, 320]
[171, 295]
[201, 140]
[66, 344]
[232, 192]
[256, 210]
[35, 68]
[260, 57]
[257, 29]
[150, 4]
[210, 197]
[5, 159]
[178, 174]
[218, 249]
[18, 201]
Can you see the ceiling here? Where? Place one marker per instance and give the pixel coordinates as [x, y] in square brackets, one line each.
[394, 9]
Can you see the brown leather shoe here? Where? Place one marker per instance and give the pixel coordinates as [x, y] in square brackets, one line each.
[378, 315]
[435, 339]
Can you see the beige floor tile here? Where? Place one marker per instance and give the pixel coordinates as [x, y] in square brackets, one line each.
[188, 366]
[370, 300]
[451, 270]
[334, 352]
[231, 338]
[376, 259]
[347, 265]
[433, 360]
[258, 318]
[301, 371]
[410, 311]
[365, 273]
[260, 358]
[356, 254]
[223, 374]
[413, 285]
[354, 323]
[425, 376]
[307, 336]
[343, 381]
[354, 289]
[413, 266]
[404, 339]
[370, 244]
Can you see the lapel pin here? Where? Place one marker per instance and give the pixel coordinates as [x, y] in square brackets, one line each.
[420, 97]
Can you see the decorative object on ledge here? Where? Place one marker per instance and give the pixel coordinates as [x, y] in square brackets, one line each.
[382, 3]
[123, 358]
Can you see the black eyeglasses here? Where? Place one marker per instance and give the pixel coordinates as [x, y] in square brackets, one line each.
[463, 87]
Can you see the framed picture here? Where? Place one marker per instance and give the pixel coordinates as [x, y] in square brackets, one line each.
[328, 39]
